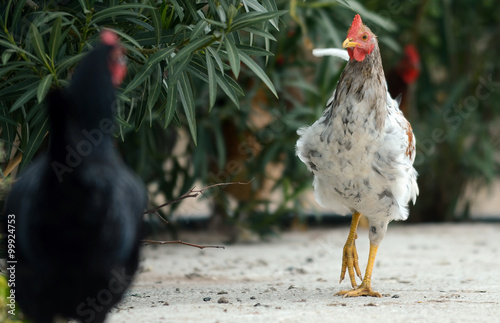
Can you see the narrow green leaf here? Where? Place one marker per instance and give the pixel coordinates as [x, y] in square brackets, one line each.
[7, 120]
[387, 24]
[154, 88]
[234, 85]
[217, 58]
[37, 42]
[198, 29]
[232, 53]
[124, 10]
[267, 45]
[148, 67]
[17, 14]
[254, 51]
[251, 18]
[123, 97]
[141, 23]
[84, 6]
[35, 115]
[272, 6]
[17, 84]
[216, 23]
[171, 106]
[35, 140]
[55, 38]
[260, 32]
[345, 3]
[140, 113]
[191, 48]
[44, 87]
[156, 19]
[198, 69]
[67, 62]
[111, 17]
[189, 4]
[187, 100]
[6, 55]
[212, 81]
[258, 71]
[231, 13]
[128, 38]
[221, 11]
[178, 9]
[14, 67]
[8, 126]
[224, 85]
[254, 4]
[17, 49]
[175, 70]
[28, 95]
[122, 123]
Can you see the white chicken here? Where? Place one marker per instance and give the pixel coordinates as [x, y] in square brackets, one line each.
[361, 151]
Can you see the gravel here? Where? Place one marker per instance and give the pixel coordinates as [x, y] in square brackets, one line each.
[426, 273]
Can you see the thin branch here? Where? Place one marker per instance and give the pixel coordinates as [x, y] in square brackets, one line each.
[193, 193]
[148, 242]
[162, 218]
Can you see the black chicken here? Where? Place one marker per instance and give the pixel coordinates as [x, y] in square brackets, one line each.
[78, 207]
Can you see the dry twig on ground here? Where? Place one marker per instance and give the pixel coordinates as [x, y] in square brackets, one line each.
[191, 193]
[148, 242]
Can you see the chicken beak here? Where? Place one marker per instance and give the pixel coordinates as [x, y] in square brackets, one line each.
[349, 43]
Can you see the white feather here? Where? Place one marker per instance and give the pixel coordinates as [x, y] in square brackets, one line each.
[336, 52]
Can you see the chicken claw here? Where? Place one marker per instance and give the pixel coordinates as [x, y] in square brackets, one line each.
[350, 254]
[365, 289]
[362, 290]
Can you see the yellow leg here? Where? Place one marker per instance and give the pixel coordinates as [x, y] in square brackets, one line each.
[365, 289]
[350, 254]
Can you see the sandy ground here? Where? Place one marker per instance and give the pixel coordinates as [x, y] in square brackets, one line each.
[426, 273]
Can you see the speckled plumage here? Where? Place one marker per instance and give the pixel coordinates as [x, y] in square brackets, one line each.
[361, 150]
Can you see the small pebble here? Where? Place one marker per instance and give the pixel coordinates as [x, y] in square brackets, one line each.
[206, 299]
[270, 289]
[223, 300]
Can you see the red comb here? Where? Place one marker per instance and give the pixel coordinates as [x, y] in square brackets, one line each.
[108, 37]
[356, 24]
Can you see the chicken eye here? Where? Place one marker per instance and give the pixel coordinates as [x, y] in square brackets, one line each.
[365, 37]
